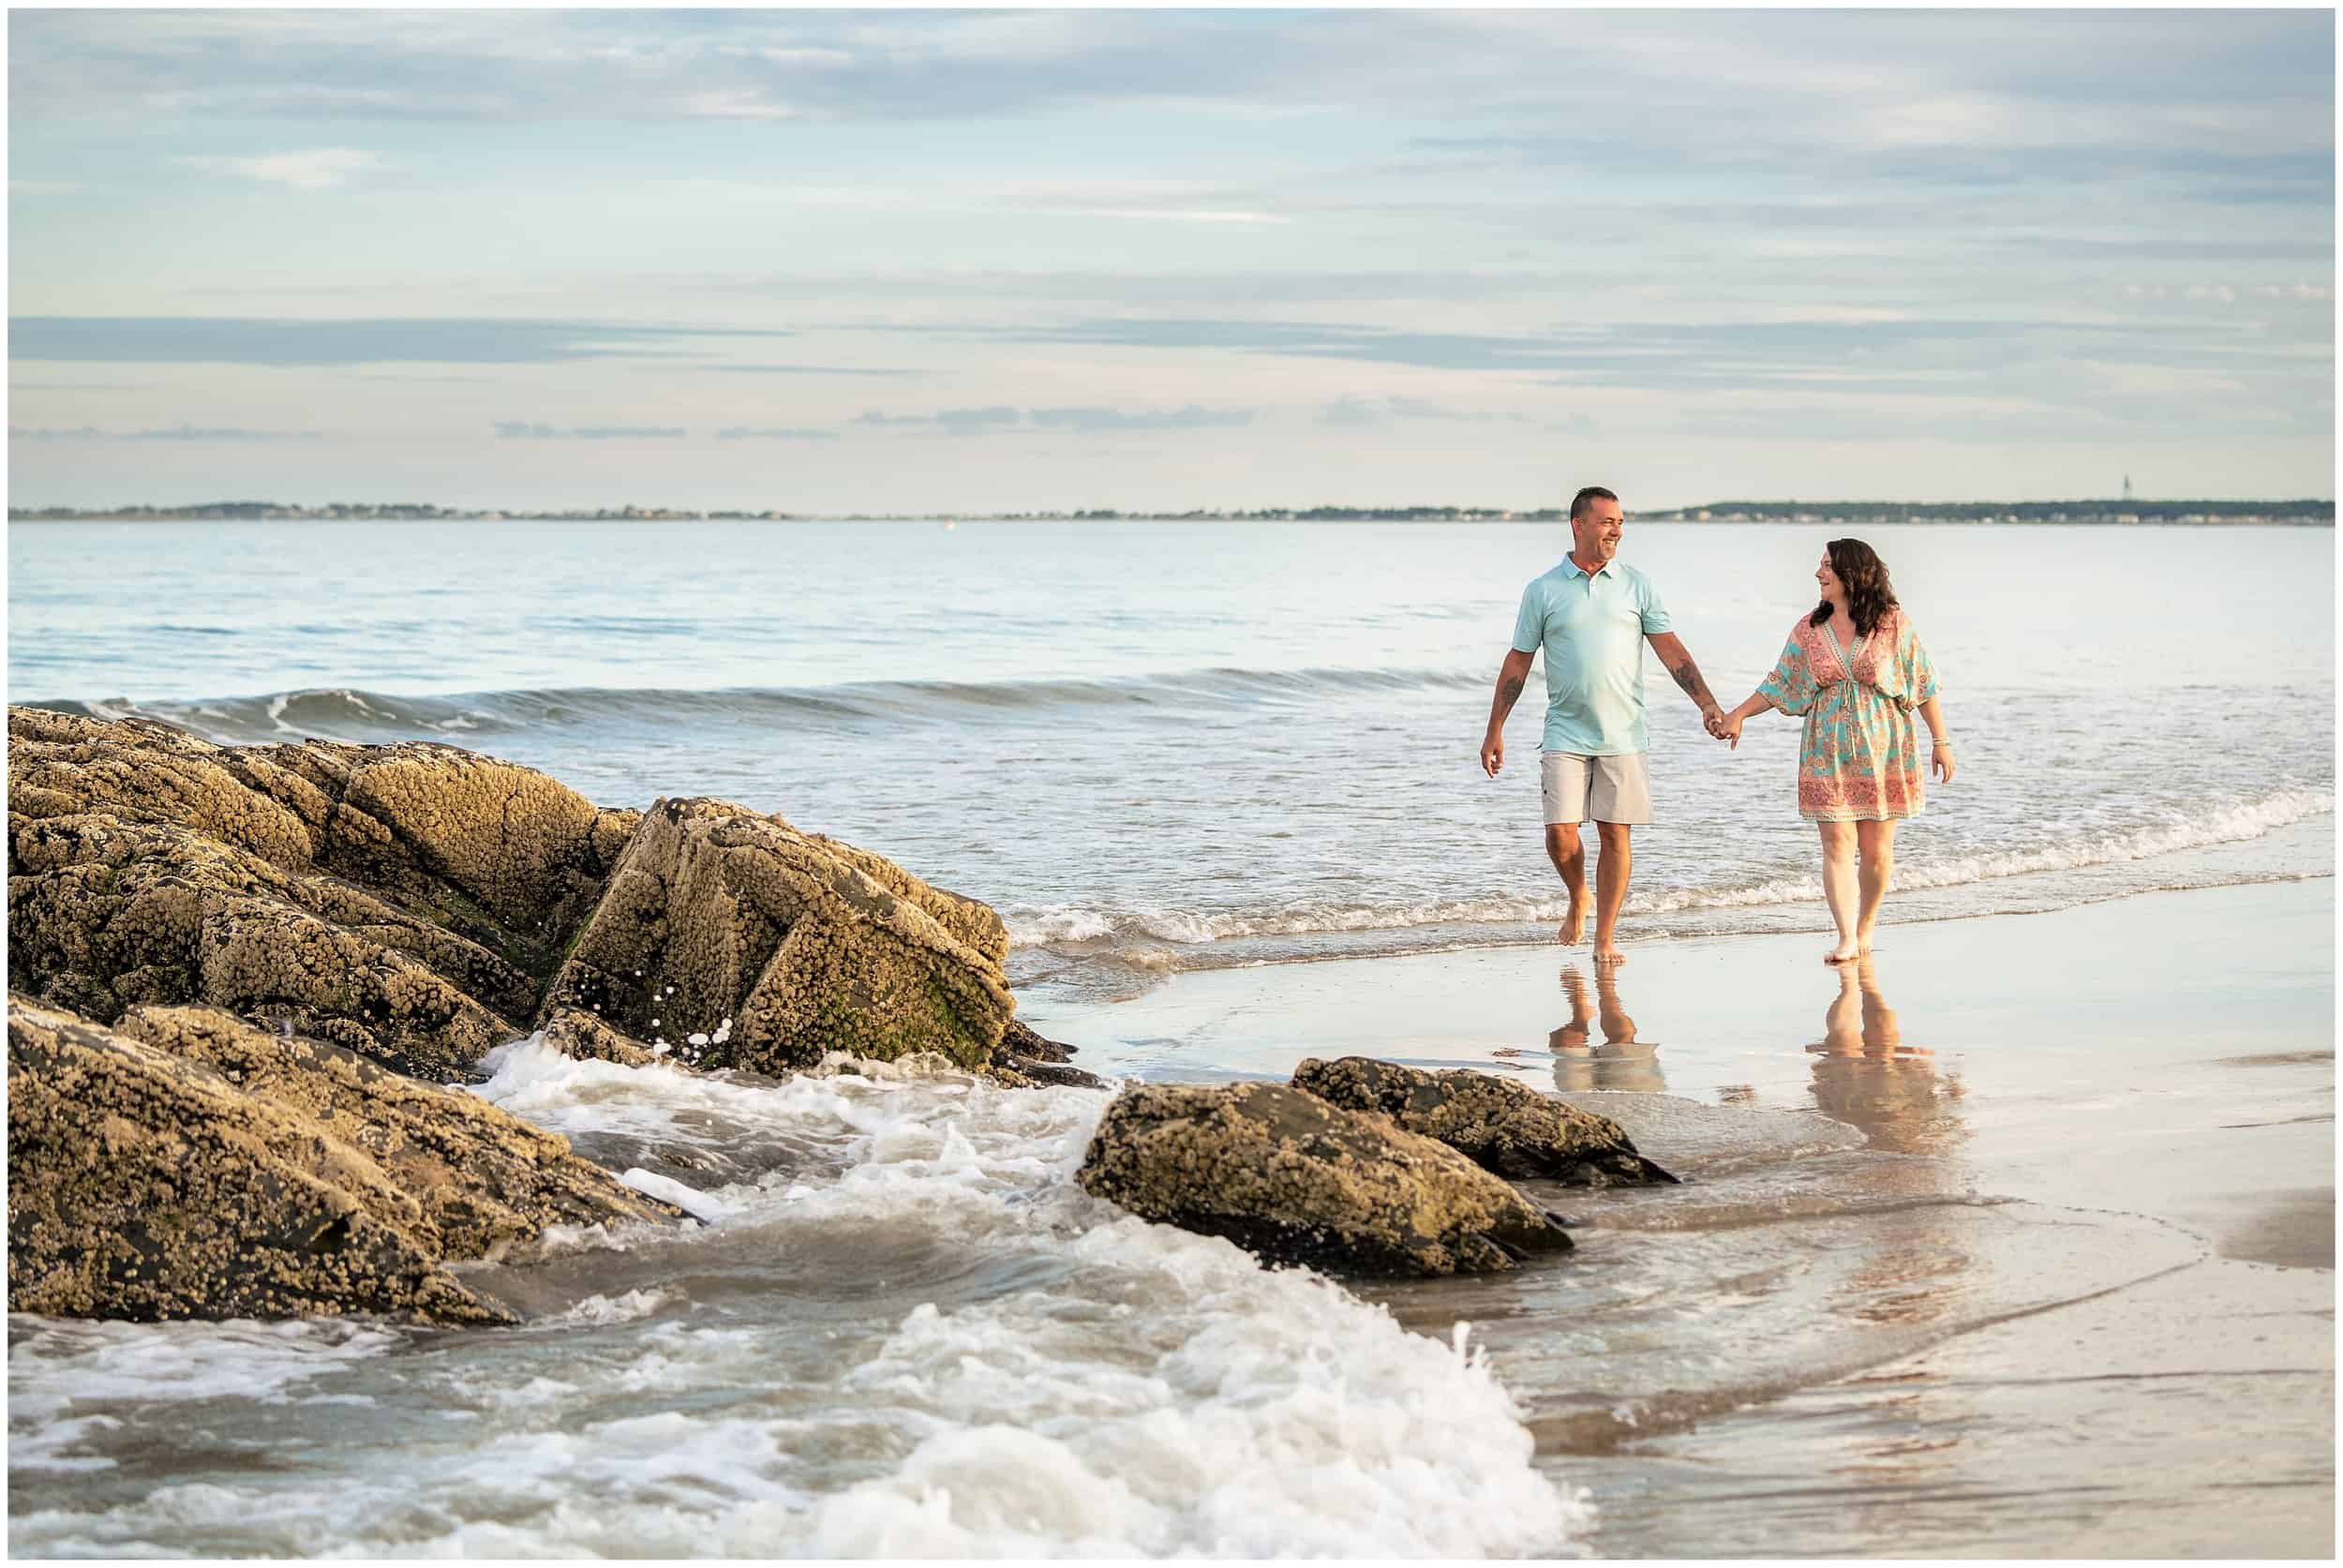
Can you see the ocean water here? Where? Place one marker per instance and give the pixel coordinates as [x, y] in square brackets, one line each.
[902, 1331]
[1156, 746]
[899, 1328]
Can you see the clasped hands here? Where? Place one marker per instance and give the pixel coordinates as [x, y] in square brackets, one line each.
[1724, 726]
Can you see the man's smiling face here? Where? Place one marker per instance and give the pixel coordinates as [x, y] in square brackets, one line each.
[1595, 532]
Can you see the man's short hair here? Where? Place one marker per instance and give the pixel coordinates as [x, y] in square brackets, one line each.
[1593, 492]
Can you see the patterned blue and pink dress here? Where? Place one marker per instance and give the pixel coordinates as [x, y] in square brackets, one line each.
[1860, 758]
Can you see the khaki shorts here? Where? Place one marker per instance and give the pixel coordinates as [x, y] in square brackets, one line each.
[1594, 788]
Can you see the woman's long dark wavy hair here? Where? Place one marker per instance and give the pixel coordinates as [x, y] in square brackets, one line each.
[1868, 594]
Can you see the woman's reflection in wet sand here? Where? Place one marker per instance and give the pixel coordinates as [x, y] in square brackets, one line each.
[1867, 1075]
[1621, 1061]
[1915, 1270]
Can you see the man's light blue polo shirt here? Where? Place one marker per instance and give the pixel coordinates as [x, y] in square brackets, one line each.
[1591, 630]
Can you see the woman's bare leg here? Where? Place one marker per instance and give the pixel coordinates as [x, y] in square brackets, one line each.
[1876, 842]
[1839, 887]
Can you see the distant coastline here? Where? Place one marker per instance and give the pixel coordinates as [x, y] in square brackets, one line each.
[1870, 513]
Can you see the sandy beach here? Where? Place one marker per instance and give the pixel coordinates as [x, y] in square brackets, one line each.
[2084, 1219]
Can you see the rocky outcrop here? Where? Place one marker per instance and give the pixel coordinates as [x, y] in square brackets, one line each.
[1502, 1126]
[422, 905]
[1296, 1180]
[738, 941]
[407, 902]
[245, 970]
[185, 1164]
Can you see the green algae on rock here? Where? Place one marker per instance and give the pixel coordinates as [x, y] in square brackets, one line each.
[1293, 1179]
[189, 1165]
[741, 942]
[422, 905]
[1505, 1127]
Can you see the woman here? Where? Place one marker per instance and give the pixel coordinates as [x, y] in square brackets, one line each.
[1856, 671]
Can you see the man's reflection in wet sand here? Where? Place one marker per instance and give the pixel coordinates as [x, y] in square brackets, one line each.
[1867, 1076]
[1621, 1061]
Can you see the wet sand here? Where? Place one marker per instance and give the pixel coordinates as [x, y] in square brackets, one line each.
[2135, 1357]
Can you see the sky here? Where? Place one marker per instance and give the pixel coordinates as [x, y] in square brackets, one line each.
[994, 261]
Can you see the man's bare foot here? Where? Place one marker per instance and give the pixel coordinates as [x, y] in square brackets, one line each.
[1574, 925]
[1845, 952]
[1608, 952]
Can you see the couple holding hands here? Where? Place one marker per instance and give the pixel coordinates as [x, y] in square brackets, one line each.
[1853, 667]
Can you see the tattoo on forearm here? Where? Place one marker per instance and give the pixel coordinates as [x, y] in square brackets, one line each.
[1688, 677]
[1509, 690]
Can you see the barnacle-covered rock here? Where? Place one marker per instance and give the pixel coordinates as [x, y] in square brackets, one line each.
[1295, 1180]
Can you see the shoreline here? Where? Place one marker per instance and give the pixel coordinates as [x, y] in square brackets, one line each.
[2087, 1073]
[2287, 522]
[1931, 1235]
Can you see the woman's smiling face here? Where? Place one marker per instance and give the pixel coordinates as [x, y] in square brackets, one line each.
[1827, 579]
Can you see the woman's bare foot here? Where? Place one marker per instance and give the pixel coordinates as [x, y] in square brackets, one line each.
[1608, 952]
[1573, 924]
[1863, 942]
[1845, 952]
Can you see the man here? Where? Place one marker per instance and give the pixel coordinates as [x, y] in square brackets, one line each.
[1591, 616]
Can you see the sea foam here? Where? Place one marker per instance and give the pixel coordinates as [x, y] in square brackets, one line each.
[1147, 926]
[909, 1334]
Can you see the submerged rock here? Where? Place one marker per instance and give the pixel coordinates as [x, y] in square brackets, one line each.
[1021, 1039]
[1020, 1071]
[188, 1165]
[741, 942]
[1296, 1180]
[1506, 1127]
[1036, 1060]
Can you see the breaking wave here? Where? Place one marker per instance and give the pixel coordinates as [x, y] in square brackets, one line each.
[1145, 929]
[349, 713]
[908, 1334]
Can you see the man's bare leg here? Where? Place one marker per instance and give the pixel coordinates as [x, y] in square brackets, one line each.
[1570, 860]
[1839, 889]
[1877, 843]
[1610, 890]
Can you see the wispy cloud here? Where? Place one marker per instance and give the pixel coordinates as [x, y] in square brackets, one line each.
[1189, 418]
[311, 169]
[1879, 78]
[1880, 354]
[953, 422]
[1177, 214]
[286, 341]
[1377, 244]
[1090, 420]
[1150, 200]
[518, 431]
[773, 433]
[1356, 411]
[172, 433]
[803, 370]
